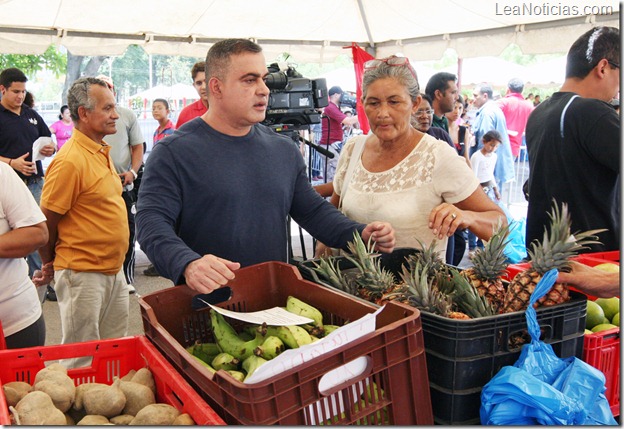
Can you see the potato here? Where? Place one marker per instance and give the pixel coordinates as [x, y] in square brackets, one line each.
[56, 383]
[108, 401]
[156, 414]
[183, 420]
[93, 420]
[61, 397]
[57, 367]
[15, 391]
[122, 420]
[37, 408]
[129, 375]
[138, 396]
[12, 396]
[81, 389]
[144, 376]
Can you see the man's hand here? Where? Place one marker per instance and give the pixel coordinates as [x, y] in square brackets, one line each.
[591, 281]
[209, 273]
[44, 276]
[127, 177]
[27, 168]
[48, 149]
[382, 235]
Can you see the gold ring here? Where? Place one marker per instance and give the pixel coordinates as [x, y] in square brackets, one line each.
[454, 216]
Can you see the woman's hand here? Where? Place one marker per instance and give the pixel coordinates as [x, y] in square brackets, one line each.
[445, 219]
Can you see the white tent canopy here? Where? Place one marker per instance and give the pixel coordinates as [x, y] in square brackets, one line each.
[178, 91]
[311, 31]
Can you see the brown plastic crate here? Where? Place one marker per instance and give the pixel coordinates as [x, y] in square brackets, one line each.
[394, 353]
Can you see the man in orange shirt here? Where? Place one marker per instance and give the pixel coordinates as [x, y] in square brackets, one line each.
[87, 222]
[198, 108]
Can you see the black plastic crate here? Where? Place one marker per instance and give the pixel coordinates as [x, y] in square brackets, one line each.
[464, 355]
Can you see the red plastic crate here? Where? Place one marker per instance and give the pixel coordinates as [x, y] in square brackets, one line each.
[111, 358]
[602, 351]
[394, 355]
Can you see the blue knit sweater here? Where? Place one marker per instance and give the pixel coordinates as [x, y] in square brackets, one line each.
[204, 192]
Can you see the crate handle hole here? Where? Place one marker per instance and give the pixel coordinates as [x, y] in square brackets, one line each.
[345, 375]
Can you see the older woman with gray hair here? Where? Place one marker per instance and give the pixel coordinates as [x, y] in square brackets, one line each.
[400, 175]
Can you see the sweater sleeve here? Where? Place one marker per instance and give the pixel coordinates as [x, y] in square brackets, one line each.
[158, 208]
[319, 217]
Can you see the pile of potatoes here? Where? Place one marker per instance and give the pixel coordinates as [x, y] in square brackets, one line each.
[53, 399]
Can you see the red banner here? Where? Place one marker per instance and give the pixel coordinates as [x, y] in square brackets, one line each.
[360, 56]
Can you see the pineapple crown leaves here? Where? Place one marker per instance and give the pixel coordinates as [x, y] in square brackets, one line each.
[465, 295]
[427, 255]
[421, 291]
[327, 268]
[372, 275]
[559, 244]
[490, 262]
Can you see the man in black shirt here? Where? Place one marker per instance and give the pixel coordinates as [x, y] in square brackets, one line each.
[573, 140]
[20, 126]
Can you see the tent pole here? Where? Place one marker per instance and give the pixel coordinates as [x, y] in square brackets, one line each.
[460, 62]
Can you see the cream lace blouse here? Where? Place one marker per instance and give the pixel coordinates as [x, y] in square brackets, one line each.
[405, 194]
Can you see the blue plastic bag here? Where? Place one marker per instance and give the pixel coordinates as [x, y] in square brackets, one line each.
[541, 388]
[515, 250]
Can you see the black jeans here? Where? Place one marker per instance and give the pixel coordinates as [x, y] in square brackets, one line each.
[31, 336]
[128, 265]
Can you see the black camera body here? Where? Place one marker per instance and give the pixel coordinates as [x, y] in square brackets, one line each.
[348, 100]
[294, 99]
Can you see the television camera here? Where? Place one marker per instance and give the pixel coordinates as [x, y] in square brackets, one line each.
[348, 100]
[294, 100]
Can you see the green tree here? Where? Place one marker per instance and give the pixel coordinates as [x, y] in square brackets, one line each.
[52, 59]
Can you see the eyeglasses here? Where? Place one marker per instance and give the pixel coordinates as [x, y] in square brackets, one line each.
[424, 112]
[614, 65]
[391, 61]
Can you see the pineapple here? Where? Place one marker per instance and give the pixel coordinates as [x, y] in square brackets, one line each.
[373, 281]
[427, 256]
[555, 251]
[420, 292]
[329, 270]
[489, 264]
[465, 296]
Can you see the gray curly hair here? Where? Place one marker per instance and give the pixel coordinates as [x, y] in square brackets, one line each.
[404, 74]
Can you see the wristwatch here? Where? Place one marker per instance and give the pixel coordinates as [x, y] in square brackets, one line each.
[134, 173]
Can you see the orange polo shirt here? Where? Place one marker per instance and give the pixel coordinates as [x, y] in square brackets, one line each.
[82, 185]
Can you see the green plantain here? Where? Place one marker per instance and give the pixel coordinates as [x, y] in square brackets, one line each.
[228, 340]
[252, 363]
[225, 361]
[270, 348]
[284, 334]
[296, 306]
[301, 335]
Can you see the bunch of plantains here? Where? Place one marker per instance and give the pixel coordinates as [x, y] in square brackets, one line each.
[240, 353]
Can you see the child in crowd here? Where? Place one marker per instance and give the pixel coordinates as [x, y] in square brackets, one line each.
[483, 162]
[160, 112]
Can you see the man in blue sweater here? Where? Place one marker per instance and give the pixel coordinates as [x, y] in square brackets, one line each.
[216, 194]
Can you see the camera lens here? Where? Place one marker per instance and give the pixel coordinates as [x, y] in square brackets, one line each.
[277, 80]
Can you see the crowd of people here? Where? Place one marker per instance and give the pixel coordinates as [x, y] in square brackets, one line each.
[433, 169]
